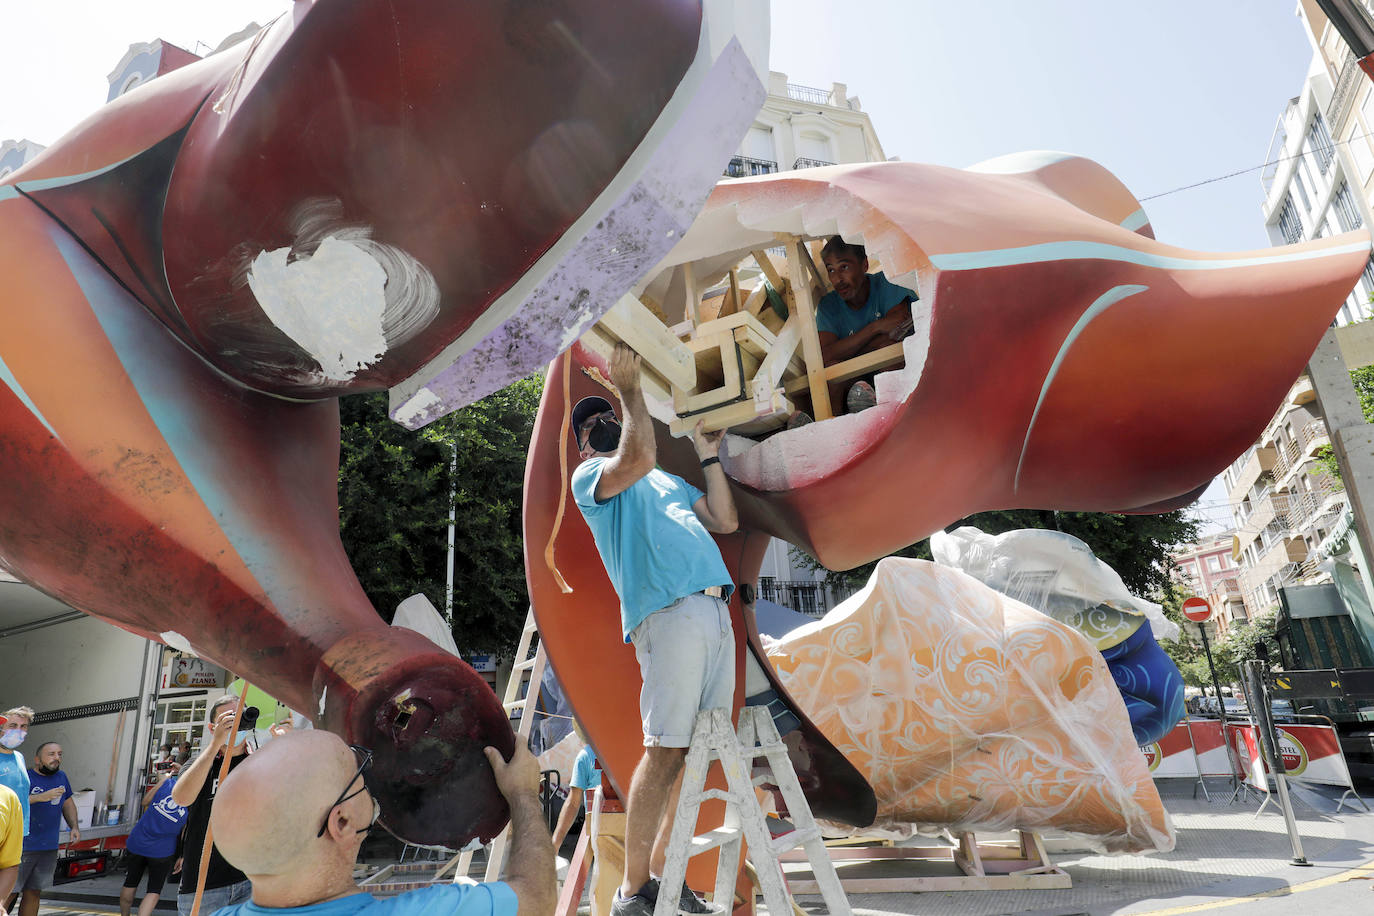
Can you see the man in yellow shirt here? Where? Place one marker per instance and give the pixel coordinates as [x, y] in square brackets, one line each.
[11, 839]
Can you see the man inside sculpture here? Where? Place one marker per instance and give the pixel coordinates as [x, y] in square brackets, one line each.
[653, 531]
[294, 816]
[864, 313]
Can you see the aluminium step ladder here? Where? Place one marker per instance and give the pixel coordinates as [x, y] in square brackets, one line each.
[521, 699]
[713, 739]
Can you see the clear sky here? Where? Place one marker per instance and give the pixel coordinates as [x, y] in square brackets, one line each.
[1165, 93]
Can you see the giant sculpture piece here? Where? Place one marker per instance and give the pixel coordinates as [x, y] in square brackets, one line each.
[365, 195]
[1062, 358]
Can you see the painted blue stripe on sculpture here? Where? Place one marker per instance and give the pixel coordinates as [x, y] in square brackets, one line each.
[1101, 251]
[150, 357]
[12, 383]
[61, 181]
[1135, 220]
[1103, 302]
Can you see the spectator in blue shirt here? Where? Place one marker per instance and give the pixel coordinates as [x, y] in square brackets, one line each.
[13, 772]
[586, 777]
[293, 816]
[864, 313]
[152, 847]
[50, 801]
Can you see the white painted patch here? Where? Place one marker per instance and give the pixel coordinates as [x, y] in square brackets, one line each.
[423, 404]
[330, 303]
[323, 694]
[177, 641]
[344, 297]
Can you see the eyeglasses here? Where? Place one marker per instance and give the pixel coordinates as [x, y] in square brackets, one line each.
[364, 757]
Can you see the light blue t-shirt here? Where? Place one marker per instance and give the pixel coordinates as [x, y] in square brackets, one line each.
[14, 774]
[833, 314]
[586, 774]
[652, 544]
[493, 899]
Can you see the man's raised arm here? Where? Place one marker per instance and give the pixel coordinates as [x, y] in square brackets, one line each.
[530, 868]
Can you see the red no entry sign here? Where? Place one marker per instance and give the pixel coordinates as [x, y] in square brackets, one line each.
[1197, 610]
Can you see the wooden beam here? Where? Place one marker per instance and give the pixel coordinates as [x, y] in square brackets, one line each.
[689, 286]
[812, 256]
[732, 296]
[773, 367]
[631, 322]
[811, 345]
[862, 364]
[732, 415]
[770, 270]
[602, 342]
[757, 301]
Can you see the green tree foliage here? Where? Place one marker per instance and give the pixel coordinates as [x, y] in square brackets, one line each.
[1363, 380]
[1136, 546]
[395, 491]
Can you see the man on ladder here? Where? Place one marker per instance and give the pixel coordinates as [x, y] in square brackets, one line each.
[652, 530]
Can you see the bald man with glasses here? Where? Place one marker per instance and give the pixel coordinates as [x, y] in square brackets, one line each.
[294, 815]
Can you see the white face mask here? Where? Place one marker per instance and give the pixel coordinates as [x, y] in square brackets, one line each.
[12, 738]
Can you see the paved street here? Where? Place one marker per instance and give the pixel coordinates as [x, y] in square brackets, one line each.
[1226, 859]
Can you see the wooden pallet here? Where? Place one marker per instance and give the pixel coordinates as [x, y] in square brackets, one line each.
[968, 866]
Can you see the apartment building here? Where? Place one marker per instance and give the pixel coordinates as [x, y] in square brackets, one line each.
[1285, 504]
[1207, 568]
[802, 127]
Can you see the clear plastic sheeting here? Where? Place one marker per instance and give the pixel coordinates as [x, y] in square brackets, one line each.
[1055, 573]
[968, 710]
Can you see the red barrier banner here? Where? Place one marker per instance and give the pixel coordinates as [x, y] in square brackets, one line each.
[1245, 741]
[1172, 755]
[1212, 759]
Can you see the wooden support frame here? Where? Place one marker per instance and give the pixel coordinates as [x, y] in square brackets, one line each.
[740, 369]
[862, 364]
[983, 866]
[805, 310]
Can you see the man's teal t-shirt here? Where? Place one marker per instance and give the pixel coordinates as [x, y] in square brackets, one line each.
[494, 899]
[652, 544]
[833, 314]
[14, 774]
[586, 774]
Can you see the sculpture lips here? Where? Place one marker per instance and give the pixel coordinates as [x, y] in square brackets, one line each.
[1062, 360]
[190, 274]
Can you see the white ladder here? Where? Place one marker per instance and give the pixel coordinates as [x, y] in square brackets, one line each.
[526, 670]
[714, 739]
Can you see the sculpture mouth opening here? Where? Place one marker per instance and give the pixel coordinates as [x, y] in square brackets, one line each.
[730, 340]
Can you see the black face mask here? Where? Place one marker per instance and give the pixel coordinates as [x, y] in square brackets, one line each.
[604, 435]
[48, 772]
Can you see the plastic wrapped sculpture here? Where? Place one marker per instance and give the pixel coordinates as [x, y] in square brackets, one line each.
[429, 197]
[968, 710]
[1057, 362]
[1057, 574]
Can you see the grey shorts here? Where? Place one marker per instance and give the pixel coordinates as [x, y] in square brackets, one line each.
[686, 655]
[36, 870]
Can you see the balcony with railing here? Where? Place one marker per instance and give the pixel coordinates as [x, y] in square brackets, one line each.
[805, 163]
[1227, 587]
[1259, 461]
[1306, 442]
[799, 93]
[805, 596]
[743, 166]
[1306, 506]
[1269, 511]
